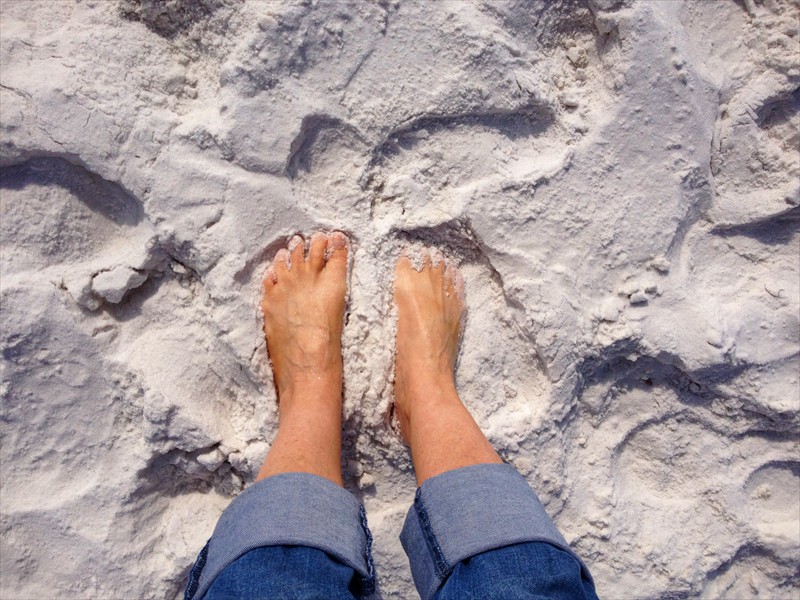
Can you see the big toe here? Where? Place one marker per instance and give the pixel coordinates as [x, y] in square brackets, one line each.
[338, 248]
[403, 269]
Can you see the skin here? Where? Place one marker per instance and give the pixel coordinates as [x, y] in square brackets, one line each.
[303, 304]
[435, 424]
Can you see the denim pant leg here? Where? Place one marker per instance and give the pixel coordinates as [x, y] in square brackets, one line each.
[481, 532]
[293, 535]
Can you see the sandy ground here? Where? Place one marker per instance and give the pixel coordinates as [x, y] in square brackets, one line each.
[618, 180]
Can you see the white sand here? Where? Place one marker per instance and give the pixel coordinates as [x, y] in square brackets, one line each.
[618, 179]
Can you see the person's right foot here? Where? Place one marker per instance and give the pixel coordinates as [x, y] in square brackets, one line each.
[429, 309]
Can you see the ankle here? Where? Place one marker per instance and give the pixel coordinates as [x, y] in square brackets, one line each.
[312, 390]
[321, 379]
[418, 396]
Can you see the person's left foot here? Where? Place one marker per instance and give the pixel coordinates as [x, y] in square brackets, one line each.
[303, 305]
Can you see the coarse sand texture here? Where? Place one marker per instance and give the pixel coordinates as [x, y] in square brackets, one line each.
[618, 181]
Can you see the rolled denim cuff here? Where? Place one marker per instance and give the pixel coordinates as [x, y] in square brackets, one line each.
[294, 509]
[464, 512]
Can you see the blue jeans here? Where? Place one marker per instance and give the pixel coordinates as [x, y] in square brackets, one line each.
[475, 532]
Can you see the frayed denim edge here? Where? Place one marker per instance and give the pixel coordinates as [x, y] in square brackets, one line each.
[443, 569]
[367, 583]
[194, 574]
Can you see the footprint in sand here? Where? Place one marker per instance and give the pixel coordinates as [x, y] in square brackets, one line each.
[88, 233]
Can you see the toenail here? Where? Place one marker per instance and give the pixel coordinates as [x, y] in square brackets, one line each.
[282, 255]
[297, 240]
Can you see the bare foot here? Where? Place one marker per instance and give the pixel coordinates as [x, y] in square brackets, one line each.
[439, 429]
[429, 309]
[303, 305]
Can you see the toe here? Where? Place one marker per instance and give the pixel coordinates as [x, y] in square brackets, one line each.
[338, 246]
[435, 258]
[404, 272]
[296, 248]
[270, 278]
[404, 265]
[458, 284]
[316, 251]
[453, 281]
[280, 263]
[426, 263]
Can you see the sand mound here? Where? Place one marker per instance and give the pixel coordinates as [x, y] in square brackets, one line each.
[617, 179]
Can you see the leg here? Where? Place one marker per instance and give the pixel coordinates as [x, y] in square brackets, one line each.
[296, 533]
[440, 431]
[303, 304]
[477, 529]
